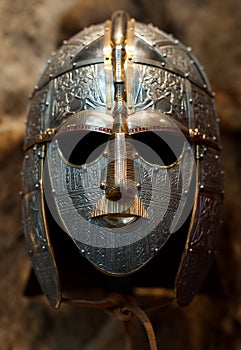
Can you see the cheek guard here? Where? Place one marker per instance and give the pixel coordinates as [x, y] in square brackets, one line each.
[122, 149]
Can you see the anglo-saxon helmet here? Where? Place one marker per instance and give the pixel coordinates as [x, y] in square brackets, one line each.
[122, 155]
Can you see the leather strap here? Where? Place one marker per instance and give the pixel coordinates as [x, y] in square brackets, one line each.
[124, 308]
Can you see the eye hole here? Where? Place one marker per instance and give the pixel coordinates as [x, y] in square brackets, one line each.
[79, 147]
[160, 147]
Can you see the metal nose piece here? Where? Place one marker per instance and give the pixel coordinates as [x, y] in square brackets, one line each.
[121, 198]
[121, 204]
[114, 193]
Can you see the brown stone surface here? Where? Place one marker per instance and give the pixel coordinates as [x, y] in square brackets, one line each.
[29, 30]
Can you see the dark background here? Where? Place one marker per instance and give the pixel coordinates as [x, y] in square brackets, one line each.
[29, 31]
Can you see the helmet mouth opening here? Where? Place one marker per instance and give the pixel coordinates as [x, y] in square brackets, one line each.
[116, 220]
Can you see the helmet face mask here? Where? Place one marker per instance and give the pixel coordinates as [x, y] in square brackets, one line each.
[122, 148]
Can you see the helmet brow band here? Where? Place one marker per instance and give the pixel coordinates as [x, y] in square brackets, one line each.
[193, 135]
[197, 137]
[44, 137]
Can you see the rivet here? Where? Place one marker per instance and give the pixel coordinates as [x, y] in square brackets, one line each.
[189, 49]
[204, 86]
[43, 247]
[74, 64]
[191, 100]
[186, 75]
[163, 64]
[103, 186]
[30, 251]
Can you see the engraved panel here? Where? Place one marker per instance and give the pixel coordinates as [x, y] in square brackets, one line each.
[179, 58]
[38, 248]
[88, 35]
[76, 90]
[37, 109]
[58, 62]
[192, 275]
[175, 54]
[201, 248]
[211, 177]
[207, 222]
[34, 228]
[32, 169]
[61, 60]
[151, 35]
[161, 90]
[204, 114]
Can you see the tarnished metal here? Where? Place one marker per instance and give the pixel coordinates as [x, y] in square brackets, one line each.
[137, 89]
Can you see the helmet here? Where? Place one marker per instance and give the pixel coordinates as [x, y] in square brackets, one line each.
[122, 156]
